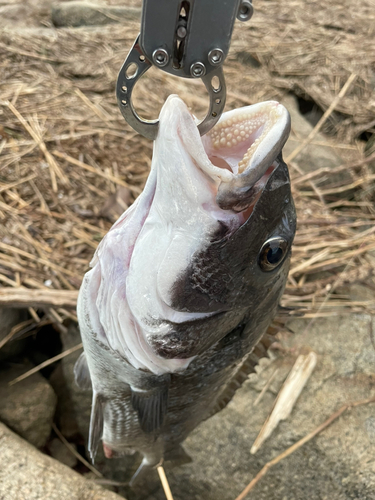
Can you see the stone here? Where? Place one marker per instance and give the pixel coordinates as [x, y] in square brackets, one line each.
[27, 474]
[75, 14]
[61, 453]
[313, 156]
[74, 404]
[9, 318]
[27, 407]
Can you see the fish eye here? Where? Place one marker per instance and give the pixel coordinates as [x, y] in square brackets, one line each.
[272, 253]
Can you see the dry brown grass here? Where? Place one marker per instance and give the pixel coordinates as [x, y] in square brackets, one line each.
[65, 146]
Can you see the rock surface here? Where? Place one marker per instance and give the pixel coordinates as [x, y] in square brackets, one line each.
[8, 319]
[27, 474]
[315, 155]
[74, 405]
[76, 14]
[61, 453]
[27, 407]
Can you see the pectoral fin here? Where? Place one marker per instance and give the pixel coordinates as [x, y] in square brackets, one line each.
[151, 404]
[82, 373]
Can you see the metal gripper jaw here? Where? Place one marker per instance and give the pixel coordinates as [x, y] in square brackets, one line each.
[188, 38]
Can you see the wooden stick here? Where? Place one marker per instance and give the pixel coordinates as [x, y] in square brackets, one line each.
[323, 119]
[287, 397]
[164, 483]
[25, 297]
[300, 443]
[46, 363]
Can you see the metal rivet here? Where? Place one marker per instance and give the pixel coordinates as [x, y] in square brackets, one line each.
[181, 32]
[160, 57]
[216, 56]
[197, 70]
[245, 11]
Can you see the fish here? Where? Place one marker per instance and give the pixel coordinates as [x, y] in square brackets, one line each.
[174, 311]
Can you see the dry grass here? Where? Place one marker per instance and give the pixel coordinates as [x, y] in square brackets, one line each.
[65, 148]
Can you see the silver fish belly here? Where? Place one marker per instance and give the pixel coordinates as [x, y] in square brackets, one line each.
[187, 281]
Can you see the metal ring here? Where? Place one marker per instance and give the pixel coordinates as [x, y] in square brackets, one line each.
[214, 82]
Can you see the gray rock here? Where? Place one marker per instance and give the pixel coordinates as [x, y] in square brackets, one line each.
[27, 407]
[74, 405]
[27, 474]
[61, 453]
[313, 156]
[75, 14]
[8, 319]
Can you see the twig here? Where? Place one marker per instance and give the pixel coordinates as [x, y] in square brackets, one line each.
[32, 54]
[4, 187]
[75, 452]
[327, 170]
[287, 397]
[89, 168]
[54, 168]
[45, 363]
[266, 387]
[25, 297]
[16, 329]
[46, 262]
[300, 443]
[323, 119]
[164, 483]
[95, 108]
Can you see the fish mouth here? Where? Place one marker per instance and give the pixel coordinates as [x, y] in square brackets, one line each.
[246, 143]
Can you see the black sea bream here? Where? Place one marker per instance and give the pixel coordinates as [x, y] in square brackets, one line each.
[187, 281]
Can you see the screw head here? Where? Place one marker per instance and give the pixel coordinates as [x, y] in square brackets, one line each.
[160, 57]
[198, 69]
[245, 11]
[181, 32]
[216, 57]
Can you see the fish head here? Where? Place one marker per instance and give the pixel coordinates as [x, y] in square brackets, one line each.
[241, 245]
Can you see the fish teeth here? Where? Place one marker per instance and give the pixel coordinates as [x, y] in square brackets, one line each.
[238, 129]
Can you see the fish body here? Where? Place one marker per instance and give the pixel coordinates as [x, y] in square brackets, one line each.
[187, 281]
